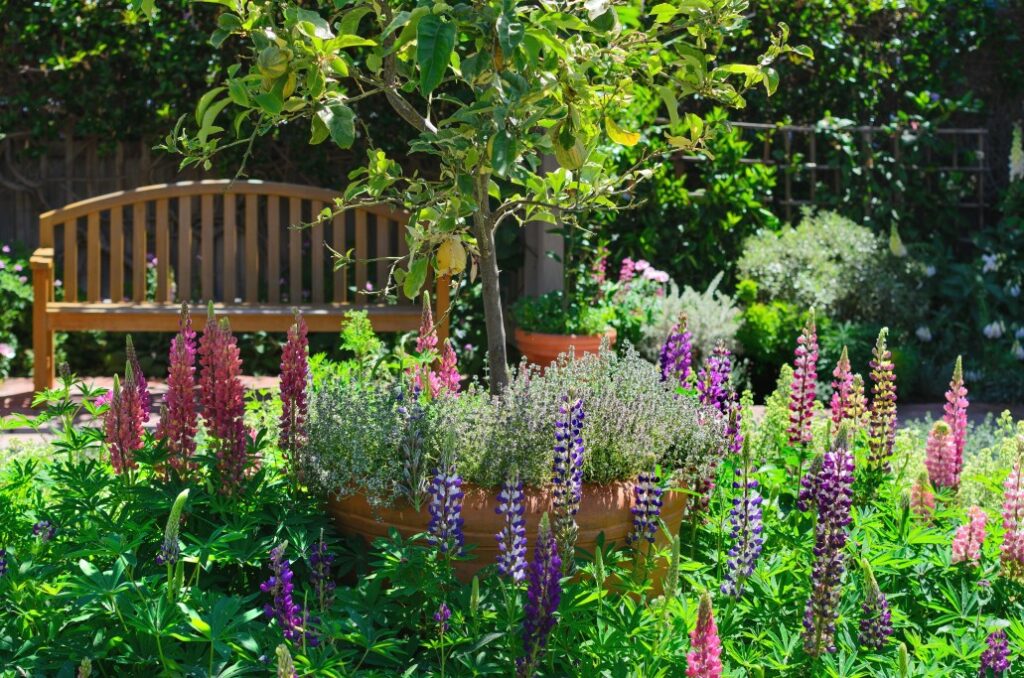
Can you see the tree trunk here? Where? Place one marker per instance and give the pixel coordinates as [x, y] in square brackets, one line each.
[483, 229]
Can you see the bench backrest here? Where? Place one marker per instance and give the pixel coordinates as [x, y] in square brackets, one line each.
[223, 241]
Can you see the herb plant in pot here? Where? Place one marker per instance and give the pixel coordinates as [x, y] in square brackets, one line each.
[587, 441]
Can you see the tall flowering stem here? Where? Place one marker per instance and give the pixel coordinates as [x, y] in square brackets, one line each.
[955, 413]
[842, 389]
[857, 412]
[676, 353]
[285, 663]
[876, 618]
[713, 379]
[543, 593]
[445, 528]
[123, 423]
[512, 538]
[995, 661]
[294, 387]
[705, 657]
[883, 405]
[222, 397]
[289, 615]
[746, 527]
[970, 537]
[567, 475]
[170, 549]
[320, 577]
[446, 379]
[178, 424]
[802, 389]
[1012, 549]
[647, 503]
[139, 382]
[941, 459]
[831, 491]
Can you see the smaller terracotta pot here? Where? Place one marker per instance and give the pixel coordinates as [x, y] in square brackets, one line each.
[543, 349]
[605, 509]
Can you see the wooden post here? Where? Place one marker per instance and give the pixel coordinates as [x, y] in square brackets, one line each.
[43, 371]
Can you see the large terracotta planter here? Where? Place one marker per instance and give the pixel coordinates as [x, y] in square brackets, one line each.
[543, 349]
[605, 508]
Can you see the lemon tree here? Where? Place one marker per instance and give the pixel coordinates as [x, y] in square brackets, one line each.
[491, 88]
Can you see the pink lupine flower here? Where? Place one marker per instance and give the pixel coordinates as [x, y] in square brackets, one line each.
[294, 384]
[704, 659]
[842, 389]
[427, 339]
[956, 411]
[805, 376]
[222, 395]
[922, 499]
[104, 398]
[1012, 549]
[123, 423]
[941, 459]
[446, 379]
[140, 379]
[970, 537]
[177, 427]
[627, 271]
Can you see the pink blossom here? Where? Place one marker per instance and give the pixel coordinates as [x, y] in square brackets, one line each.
[802, 390]
[842, 389]
[177, 427]
[223, 402]
[956, 412]
[941, 459]
[447, 378]
[627, 270]
[922, 499]
[970, 537]
[1012, 548]
[427, 339]
[704, 659]
[294, 384]
[7, 351]
[123, 424]
[140, 379]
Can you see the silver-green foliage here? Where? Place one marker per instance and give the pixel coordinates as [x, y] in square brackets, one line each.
[711, 317]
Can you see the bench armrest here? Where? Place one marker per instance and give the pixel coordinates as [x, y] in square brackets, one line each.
[42, 258]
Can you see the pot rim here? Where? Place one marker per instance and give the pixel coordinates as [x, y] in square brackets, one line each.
[609, 332]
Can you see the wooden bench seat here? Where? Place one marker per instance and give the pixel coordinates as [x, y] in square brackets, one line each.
[140, 253]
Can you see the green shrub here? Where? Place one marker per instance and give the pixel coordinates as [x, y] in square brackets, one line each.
[16, 292]
[711, 317]
[768, 335]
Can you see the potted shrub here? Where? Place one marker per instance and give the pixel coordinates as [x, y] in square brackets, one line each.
[376, 452]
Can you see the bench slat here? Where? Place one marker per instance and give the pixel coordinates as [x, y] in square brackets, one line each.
[163, 251]
[338, 243]
[139, 251]
[361, 254]
[206, 248]
[71, 260]
[274, 249]
[117, 253]
[230, 247]
[94, 272]
[295, 250]
[185, 248]
[252, 250]
[318, 251]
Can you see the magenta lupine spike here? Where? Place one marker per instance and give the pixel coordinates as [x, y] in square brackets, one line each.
[512, 538]
[802, 390]
[970, 537]
[123, 423]
[941, 459]
[883, 405]
[177, 427]
[447, 378]
[713, 379]
[222, 397]
[145, 400]
[294, 386]
[647, 503]
[543, 594]
[995, 661]
[1012, 549]
[955, 412]
[832, 493]
[747, 525]
[705, 657]
[842, 389]
[876, 617]
[676, 353]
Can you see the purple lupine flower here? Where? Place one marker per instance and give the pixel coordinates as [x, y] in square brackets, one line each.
[713, 379]
[832, 492]
[876, 618]
[883, 405]
[3, 562]
[145, 400]
[746, 522]
[676, 353]
[734, 423]
[178, 424]
[445, 528]
[805, 378]
[567, 469]
[294, 386]
[995, 661]
[44, 530]
[647, 502]
[512, 538]
[289, 615]
[543, 593]
[441, 617]
[320, 561]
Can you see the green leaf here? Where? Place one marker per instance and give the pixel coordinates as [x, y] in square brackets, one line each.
[350, 22]
[204, 103]
[671, 103]
[310, 23]
[619, 135]
[664, 12]
[270, 102]
[417, 276]
[435, 41]
[510, 33]
[771, 80]
[238, 92]
[340, 122]
[345, 41]
[503, 152]
[318, 131]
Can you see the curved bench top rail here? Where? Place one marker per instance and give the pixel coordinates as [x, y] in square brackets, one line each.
[183, 189]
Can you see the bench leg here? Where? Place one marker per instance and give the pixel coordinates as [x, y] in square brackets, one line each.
[43, 370]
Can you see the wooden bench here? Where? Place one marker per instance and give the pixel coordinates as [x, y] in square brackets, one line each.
[220, 241]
